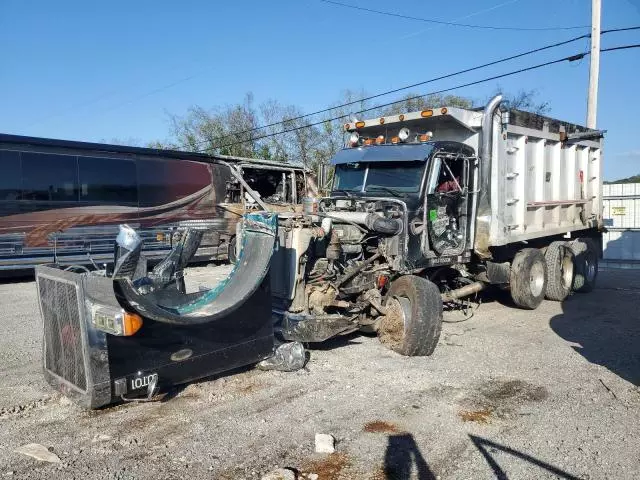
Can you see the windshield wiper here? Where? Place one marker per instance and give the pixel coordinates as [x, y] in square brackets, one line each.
[390, 190]
[348, 193]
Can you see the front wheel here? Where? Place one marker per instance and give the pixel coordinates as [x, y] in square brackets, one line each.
[413, 321]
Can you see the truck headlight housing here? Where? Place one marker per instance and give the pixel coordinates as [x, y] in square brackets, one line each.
[403, 134]
[113, 320]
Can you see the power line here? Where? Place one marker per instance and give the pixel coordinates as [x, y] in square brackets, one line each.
[621, 47]
[407, 87]
[451, 24]
[570, 58]
[624, 29]
[396, 90]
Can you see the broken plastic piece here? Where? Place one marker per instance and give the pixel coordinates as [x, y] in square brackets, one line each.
[287, 357]
[171, 305]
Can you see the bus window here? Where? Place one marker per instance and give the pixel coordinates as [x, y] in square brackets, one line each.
[107, 180]
[49, 177]
[11, 177]
[165, 181]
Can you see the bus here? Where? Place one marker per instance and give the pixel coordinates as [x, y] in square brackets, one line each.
[62, 201]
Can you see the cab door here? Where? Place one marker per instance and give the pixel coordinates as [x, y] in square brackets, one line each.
[447, 206]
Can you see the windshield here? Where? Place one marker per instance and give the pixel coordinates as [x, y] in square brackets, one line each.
[397, 177]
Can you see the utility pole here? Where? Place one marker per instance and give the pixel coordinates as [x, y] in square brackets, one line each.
[594, 66]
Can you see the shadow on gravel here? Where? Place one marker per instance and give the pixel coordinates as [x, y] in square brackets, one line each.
[606, 325]
[338, 342]
[401, 456]
[487, 447]
[17, 276]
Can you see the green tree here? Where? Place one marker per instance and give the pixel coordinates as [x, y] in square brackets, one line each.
[222, 130]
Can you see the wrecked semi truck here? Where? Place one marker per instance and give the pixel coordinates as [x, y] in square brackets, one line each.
[133, 327]
[275, 186]
[433, 206]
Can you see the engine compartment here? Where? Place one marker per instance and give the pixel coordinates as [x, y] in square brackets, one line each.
[336, 264]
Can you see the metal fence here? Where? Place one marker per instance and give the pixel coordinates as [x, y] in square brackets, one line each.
[621, 245]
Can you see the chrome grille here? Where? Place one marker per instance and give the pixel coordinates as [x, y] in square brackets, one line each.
[63, 335]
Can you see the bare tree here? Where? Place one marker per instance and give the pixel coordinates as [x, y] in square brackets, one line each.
[524, 100]
[413, 102]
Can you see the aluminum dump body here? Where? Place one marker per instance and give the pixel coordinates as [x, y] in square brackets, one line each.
[541, 180]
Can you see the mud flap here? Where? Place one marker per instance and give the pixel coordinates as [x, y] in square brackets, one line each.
[171, 305]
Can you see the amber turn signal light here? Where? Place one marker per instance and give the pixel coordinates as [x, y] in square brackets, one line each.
[132, 322]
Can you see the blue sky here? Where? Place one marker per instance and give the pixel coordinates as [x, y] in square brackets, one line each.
[98, 71]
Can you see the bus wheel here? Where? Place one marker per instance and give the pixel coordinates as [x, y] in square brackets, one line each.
[528, 280]
[413, 321]
[232, 249]
[586, 261]
[560, 269]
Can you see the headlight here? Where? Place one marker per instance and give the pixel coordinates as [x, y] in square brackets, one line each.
[403, 134]
[354, 139]
[113, 320]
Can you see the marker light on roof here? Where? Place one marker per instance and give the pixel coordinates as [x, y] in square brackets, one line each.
[425, 137]
[354, 139]
[401, 117]
[426, 113]
[346, 127]
[381, 120]
[359, 124]
[403, 134]
[443, 110]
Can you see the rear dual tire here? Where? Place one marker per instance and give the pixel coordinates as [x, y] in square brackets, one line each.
[586, 264]
[560, 262]
[528, 280]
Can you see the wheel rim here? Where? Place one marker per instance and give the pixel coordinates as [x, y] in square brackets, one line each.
[399, 308]
[536, 279]
[566, 270]
[394, 325]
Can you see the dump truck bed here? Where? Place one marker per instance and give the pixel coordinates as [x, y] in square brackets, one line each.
[543, 180]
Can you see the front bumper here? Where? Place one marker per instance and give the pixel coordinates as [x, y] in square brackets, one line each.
[312, 328]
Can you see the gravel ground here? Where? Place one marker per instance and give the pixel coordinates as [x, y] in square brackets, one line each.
[508, 394]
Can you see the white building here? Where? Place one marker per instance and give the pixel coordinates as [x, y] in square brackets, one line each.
[621, 245]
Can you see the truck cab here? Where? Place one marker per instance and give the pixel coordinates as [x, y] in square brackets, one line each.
[427, 184]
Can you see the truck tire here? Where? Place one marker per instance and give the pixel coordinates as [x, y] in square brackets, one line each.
[560, 271]
[586, 264]
[414, 317]
[528, 279]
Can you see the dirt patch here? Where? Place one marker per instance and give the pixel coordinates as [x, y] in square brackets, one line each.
[380, 426]
[478, 416]
[518, 390]
[378, 474]
[391, 331]
[243, 384]
[329, 467]
[499, 398]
